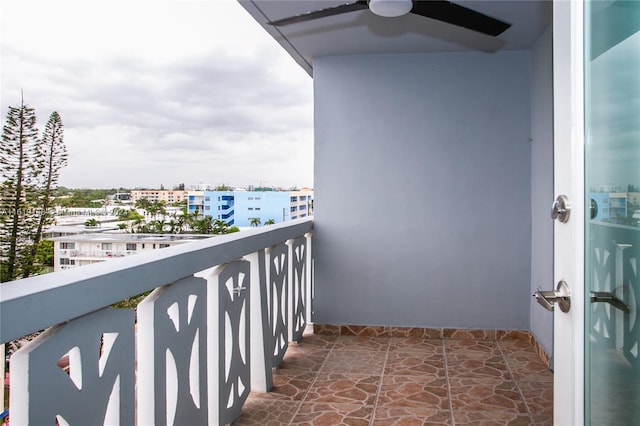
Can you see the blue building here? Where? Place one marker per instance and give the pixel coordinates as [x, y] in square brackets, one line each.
[241, 208]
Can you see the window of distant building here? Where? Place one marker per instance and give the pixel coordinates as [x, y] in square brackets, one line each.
[132, 246]
[207, 207]
[303, 207]
[294, 199]
[67, 246]
[294, 208]
[106, 246]
[208, 199]
[162, 245]
[67, 261]
[250, 208]
[257, 208]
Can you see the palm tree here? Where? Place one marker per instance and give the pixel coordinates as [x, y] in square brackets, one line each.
[254, 221]
[93, 222]
[269, 222]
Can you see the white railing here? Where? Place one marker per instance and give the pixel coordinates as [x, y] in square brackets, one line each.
[219, 317]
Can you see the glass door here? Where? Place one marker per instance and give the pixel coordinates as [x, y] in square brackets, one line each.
[612, 193]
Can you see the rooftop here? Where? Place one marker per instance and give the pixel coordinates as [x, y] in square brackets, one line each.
[133, 237]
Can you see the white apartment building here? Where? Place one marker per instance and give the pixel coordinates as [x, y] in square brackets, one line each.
[301, 203]
[71, 251]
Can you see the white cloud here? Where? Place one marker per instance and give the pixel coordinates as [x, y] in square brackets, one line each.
[160, 92]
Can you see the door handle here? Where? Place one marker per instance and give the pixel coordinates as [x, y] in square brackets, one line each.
[606, 297]
[561, 209]
[560, 295]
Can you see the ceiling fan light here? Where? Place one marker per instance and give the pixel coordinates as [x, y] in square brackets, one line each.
[390, 8]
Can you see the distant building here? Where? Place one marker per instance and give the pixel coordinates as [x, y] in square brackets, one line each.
[241, 208]
[157, 195]
[610, 205]
[76, 250]
[196, 202]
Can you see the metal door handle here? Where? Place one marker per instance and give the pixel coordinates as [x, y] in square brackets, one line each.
[606, 297]
[561, 209]
[560, 295]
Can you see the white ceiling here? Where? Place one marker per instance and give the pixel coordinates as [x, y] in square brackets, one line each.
[363, 32]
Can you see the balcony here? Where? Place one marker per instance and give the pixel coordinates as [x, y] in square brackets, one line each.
[219, 316]
[222, 313]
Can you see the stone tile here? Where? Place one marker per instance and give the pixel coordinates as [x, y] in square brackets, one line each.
[477, 394]
[538, 396]
[327, 329]
[267, 413]
[517, 347]
[476, 367]
[512, 335]
[414, 391]
[291, 385]
[456, 333]
[529, 369]
[419, 344]
[362, 330]
[406, 416]
[415, 363]
[491, 418]
[471, 348]
[361, 343]
[316, 341]
[333, 414]
[344, 389]
[425, 333]
[296, 358]
[354, 362]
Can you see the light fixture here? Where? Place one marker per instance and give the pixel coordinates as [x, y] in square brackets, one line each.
[390, 8]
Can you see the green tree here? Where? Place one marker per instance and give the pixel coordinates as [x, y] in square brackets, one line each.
[44, 253]
[53, 157]
[203, 226]
[254, 221]
[143, 203]
[92, 222]
[20, 170]
[270, 222]
[220, 226]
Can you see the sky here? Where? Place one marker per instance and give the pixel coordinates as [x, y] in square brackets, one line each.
[160, 92]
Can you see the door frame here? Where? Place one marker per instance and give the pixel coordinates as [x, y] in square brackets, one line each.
[569, 252]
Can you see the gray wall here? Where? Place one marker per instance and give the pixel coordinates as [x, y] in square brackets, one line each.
[541, 321]
[422, 190]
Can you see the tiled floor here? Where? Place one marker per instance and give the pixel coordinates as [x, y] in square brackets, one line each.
[356, 380]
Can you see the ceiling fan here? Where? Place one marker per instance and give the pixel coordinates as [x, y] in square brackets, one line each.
[440, 10]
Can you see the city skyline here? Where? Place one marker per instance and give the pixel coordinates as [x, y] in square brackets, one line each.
[160, 93]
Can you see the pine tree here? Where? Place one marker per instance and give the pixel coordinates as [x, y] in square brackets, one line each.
[52, 157]
[20, 170]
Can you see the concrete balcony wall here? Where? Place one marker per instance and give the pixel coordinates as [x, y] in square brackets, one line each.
[448, 136]
[219, 318]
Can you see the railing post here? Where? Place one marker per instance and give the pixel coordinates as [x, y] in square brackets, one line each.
[228, 340]
[261, 333]
[310, 289]
[97, 386]
[172, 343]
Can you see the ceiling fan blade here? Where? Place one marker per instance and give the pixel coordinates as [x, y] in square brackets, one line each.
[460, 16]
[322, 13]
